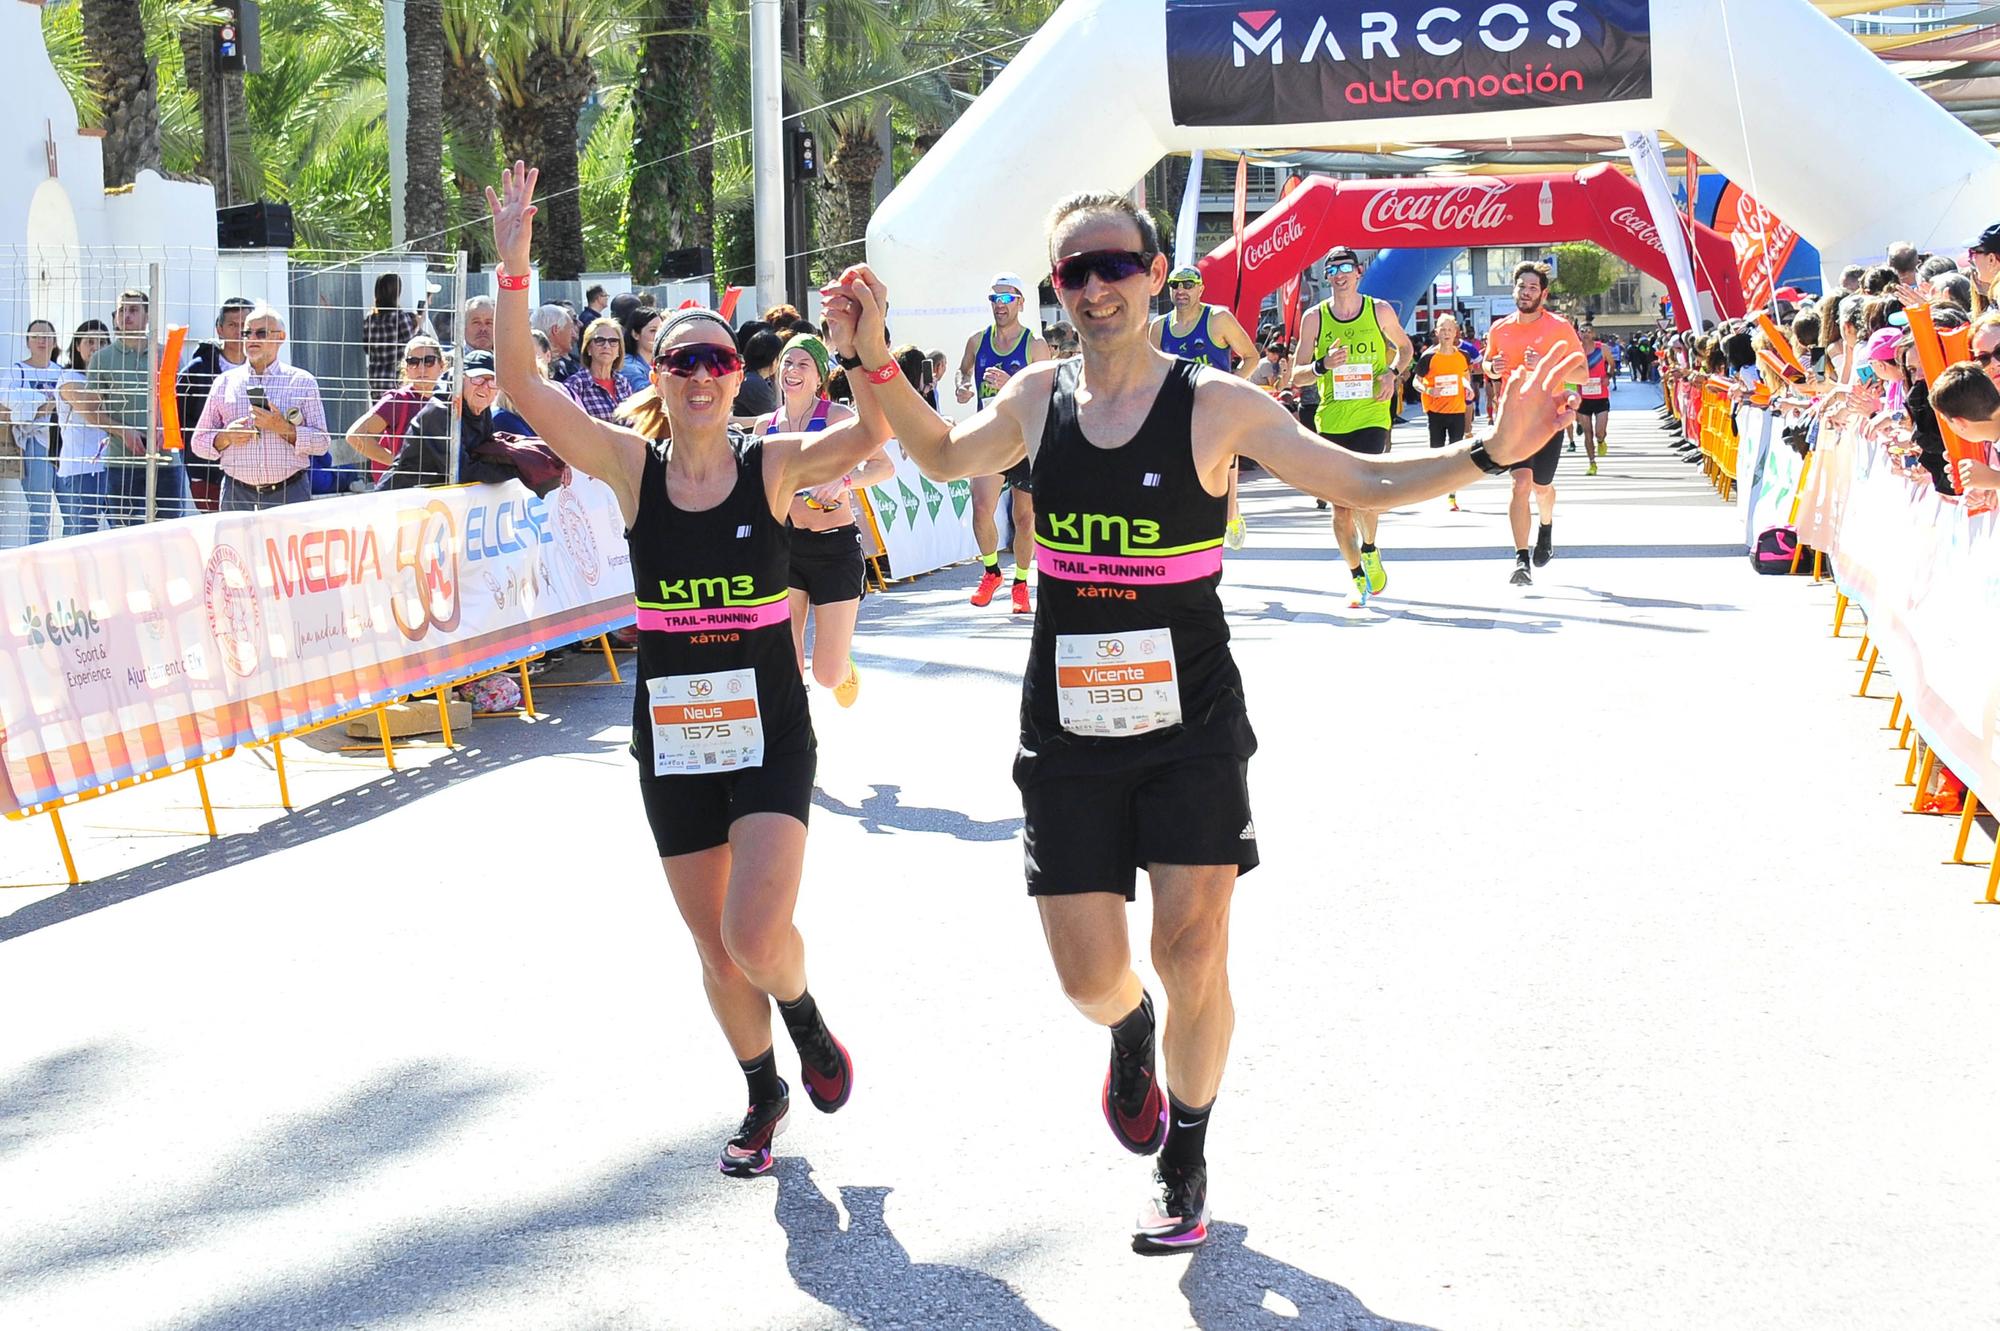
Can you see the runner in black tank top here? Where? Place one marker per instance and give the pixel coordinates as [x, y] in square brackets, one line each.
[721, 731]
[1134, 741]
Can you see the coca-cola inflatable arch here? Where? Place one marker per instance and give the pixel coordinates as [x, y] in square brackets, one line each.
[1596, 204]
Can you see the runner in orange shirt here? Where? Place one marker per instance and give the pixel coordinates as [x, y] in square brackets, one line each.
[1523, 339]
[1444, 377]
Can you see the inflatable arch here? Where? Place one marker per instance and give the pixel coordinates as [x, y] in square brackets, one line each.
[1108, 87]
[1595, 204]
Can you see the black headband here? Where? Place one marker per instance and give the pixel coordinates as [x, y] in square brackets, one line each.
[679, 317]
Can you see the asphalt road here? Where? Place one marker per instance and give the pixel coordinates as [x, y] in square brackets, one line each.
[1592, 979]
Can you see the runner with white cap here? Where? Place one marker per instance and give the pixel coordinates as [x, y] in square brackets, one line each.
[1206, 335]
[992, 357]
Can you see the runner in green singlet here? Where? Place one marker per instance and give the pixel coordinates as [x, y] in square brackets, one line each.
[1359, 353]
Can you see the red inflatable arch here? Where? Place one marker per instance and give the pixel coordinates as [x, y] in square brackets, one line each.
[1597, 204]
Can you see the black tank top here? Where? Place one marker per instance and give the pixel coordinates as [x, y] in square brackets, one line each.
[711, 590]
[1129, 548]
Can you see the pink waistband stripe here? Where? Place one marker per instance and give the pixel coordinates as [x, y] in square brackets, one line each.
[714, 617]
[1134, 570]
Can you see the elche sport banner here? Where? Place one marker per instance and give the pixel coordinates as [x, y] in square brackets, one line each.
[127, 652]
[1308, 61]
[924, 525]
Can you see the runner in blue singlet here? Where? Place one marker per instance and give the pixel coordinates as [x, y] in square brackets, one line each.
[992, 357]
[1208, 335]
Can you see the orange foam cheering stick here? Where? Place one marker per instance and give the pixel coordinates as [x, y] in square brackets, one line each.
[1935, 353]
[170, 405]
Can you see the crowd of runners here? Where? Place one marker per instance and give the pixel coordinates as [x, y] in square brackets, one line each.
[1135, 740]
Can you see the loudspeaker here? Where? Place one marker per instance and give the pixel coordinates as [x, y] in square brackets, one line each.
[254, 226]
[685, 263]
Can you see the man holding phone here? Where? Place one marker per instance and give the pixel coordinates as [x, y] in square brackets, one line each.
[263, 423]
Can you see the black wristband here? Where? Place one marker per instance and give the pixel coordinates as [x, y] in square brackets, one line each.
[1484, 460]
[847, 362]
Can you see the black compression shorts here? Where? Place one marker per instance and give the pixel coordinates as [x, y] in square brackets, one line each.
[827, 565]
[1094, 833]
[1018, 477]
[1447, 427]
[1594, 406]
[1370, 439]
[1543, 463]
[691, 813]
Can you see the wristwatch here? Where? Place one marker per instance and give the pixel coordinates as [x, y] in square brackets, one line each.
[847, 362]
[1485, 460]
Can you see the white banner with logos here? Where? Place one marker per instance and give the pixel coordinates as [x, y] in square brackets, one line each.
[130, 651]
[924, 525]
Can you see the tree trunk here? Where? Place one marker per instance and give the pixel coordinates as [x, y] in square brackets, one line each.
[424, 219]
[127, 88]
[850, 198]
[669, 200]
[470, 126]
[556, 89]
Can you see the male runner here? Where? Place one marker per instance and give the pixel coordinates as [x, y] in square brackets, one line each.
[992, 357]
[1593, 417]
[1525, 339]
[1359, 354]
[1207, 335]
[1444, 377]
[1134, 738]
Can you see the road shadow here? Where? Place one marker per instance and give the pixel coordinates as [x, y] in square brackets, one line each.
[34, 1099]
[1227, 1282]
[884, 811]
[864, 1273]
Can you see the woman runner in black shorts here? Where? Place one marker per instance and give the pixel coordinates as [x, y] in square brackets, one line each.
[720, 726]
[828, 572]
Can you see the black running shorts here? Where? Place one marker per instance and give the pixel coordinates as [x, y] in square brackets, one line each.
[691, 813]
[827, 565]
[1018, 477]
[1094, 833]
[1371, 439]
[1447, 427]
[1543, 463]
[1594, 406]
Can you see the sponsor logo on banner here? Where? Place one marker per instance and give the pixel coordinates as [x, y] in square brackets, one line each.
[1322, 60]
[59, 624]
[577, 538]
[427, 583]
[1635, 223]
[1461, 208]
[1288, 232]
[961, 496]
[235, 619]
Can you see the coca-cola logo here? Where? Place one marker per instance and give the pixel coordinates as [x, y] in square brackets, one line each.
[1288, 231]
[1464, 208]
[1757, 220]
[1627, 217]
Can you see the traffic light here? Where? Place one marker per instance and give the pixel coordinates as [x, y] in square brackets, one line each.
[805, 155]
[236, 38]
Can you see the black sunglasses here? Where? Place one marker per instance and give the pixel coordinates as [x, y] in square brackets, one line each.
[1985, 357]
[607, 341]
[683, 362]
[1074, 271]
[420, 360]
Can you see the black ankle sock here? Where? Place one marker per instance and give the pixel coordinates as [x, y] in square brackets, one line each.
[801, 1016]
[1354, 570]
[1545, 529]
[1132, 1033]
[1367, 547]
[762, 1074]
[1520, 556]
[1187, 1133]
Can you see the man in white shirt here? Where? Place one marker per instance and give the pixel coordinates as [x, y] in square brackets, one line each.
[264, 423]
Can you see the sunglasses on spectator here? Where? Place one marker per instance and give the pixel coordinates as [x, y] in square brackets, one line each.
[607, 341]
[1004, 297]
[249, 333]
[683, 362]
[421, 360]
[1985, 357]
[1074, 271]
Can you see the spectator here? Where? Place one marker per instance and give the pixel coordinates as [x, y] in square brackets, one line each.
[780, 318]
[759, 394]
[910, 359]
[602, 385]
[558, 325]
[385, 330]
[425, 455]
[28, 403]
[938, 366]
[1883, 358]
[1903, 261]
[623, 304]
[1935, 267]
[120, 387]
[222, 352]
[378, 436]
[1984, 257]
[478, 333]
[1805, 336]
[1878, 280]
[1850, 277]
[544, 353]
[263, 422]
[595, 300]
[642, 329]
[1985, 344]
[1269, 373]
[80, 477]
[1954, 289]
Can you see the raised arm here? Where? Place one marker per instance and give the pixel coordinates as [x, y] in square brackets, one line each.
[808, 461]
[614, 455]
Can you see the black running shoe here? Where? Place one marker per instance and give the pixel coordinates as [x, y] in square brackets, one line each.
[1545, 546]
[1176, 1219]
[748, 1153]
[1522, 578]
[826, 1069]
[1133, 1103]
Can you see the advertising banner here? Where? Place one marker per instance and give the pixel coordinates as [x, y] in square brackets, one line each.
[128, 651]
[924, 525]
[1763, 243]
[1310, 61]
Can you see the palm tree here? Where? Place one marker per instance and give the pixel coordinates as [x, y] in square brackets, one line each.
[669, 199]
[469, 118]
[122, 74]
[424, 219]
[544, 66]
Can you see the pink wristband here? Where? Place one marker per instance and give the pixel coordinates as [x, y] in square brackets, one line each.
[512, 282]
[885, 374]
